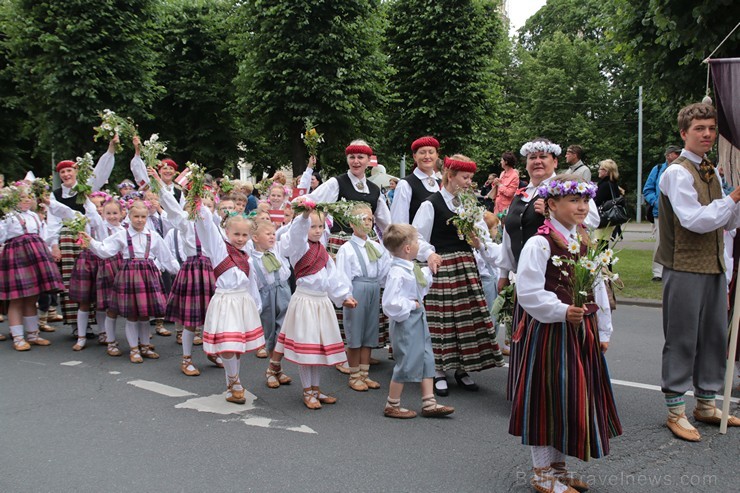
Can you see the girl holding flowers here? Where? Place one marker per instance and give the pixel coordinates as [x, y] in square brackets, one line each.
[459, 318]
[137, 292]
[26, 267]
[563, 402]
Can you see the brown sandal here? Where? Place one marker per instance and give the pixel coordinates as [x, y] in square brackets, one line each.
[310, 400]
[323, 398]
[188, 368]
[20, 344]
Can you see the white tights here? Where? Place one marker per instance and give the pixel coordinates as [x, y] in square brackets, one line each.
[310, 376]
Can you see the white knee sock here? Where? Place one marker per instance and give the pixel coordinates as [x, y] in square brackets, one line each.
[315, 376]
[132, 333]
[540, 456]
[31, 324]
[304, 371]
[556, 455]
[100, 318]
[82, 319]
[110, 329]
[144, 333]
[16, 330]
[187, 342]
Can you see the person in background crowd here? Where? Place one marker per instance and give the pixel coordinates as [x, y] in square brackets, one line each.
[651, 192]
[574, 158]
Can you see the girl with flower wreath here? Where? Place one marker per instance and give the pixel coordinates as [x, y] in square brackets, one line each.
[26, 269]
[563, 402]
[458, 315]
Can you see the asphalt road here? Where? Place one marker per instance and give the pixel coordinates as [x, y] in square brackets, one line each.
[88, 422]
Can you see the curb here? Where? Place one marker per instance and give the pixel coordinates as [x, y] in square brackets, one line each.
[639, 302]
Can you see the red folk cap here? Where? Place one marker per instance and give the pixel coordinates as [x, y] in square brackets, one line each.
[426, 141]
[65, 164]
[454, 164]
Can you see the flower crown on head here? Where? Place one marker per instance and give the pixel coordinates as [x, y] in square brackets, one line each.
[104, 195]
[557, 188]
[540, 146]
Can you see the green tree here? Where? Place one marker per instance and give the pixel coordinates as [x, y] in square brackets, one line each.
[196, 114]
[316, 59]
[447, 65]
[73, 58]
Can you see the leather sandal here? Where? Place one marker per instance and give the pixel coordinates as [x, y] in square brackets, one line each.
[20, 344]
[544, 482]
[430, 408]
[682, 429]
[342, 368]
[356, 383]
[323, 398]
[34, 339]
[135, 355]
[3, 337]
[112, 349]
[283, 378]
[716, 418]
[78, 347]
[560, 473]
[261, 353]
[188, 368]
[371, 384]
[398, 412]
[44, 327]
[160, 330]
[147, 351]
[272, 378]
[213, 358]
[310, 400]
[198, 339]
[235, 395]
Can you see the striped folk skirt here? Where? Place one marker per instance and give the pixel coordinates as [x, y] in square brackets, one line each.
[458, 316]
[105, 281]
[137, 291]
[232, 323]
[310, 334]
[520, 321]
[563, 396]
[70, 251]
[27, 269]
[83, 281]
[191, 292]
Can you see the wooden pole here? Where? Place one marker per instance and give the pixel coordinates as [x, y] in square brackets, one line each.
[730, 362]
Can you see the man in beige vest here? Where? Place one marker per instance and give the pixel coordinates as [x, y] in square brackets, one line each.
[693, 214]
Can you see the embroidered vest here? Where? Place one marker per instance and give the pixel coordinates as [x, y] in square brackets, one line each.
[419, 194]
[521, 223]
[347, 191]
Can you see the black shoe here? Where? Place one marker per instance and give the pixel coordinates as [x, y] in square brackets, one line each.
[657, 279]
[459, 375]
[441, 392]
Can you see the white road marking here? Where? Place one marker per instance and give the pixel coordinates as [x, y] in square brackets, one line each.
[257, 421]
[656, 387]
[217, 404]
[160, 388]
[71, 363]
[268, 423]
[302, 429]
[114, 372]
[33, 362]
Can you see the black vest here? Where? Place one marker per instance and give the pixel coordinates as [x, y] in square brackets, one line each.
[177, 193]
[444, 236]
[347, 191]
[70, 202]
[522, 223]
[419, 194]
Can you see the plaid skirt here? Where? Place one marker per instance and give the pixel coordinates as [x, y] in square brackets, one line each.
[105, 281]
[83, 281]
[27, 269]
[459, 320]
[191, 292]
[520, 321]
[70, 251]
[563, 396]
[336, 240]
[137, 291]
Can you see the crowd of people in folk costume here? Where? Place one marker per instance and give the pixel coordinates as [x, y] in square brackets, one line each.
[236, 276]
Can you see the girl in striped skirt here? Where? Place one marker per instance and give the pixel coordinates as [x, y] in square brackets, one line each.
[26, 271]
[458, 316]
[194, 284]
[310, 335]
[137, 291]
[232, 325]
[563, 402]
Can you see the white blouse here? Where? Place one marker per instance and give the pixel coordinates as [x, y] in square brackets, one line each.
[348, 262]
[282, 274]
[178, 219]
[214, 247]
[402, 196]
[678, 185]
[402, 291]
[329, 192]
[508, 263]
[117, 243]
[544, 305]
[329, 280]
[424, 222]
[11, 227]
